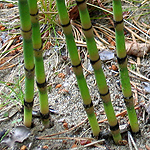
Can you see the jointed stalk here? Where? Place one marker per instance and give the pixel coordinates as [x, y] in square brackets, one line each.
[77, 68]
[99, 75]
[122, 61]
[39, 64]
[28, 60]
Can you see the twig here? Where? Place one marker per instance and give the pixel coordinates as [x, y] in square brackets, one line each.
[100, 37]
[9, 44]
[134, 144]
[65, 130]
[138, 35]
[120, 114]
[129, 142]
[61, 138]
[90, 144]
[139, 75]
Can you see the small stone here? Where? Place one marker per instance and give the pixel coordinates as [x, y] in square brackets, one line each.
[24, 147]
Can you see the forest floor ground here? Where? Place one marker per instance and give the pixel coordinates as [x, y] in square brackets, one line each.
[71, 129]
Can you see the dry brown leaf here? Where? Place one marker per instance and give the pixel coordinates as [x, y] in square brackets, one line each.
[137, 49]
[114, 67]
[48, 45]
[84, 142]
[74, 13]
[61, 75]
[10, 5]
[1, 5]
[59, 32]
[74, 145]
[65, 125]
[2, 28]
[24, 147]
[58, 86]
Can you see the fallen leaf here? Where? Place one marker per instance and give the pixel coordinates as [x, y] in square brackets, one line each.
[1, 5]
[45, 147]
[65, 125]
[10, 5]
[47, 46]
[63, 91]
[59, 32]
[84, 142]
[74, 145]
[73, 13]
[137, 49]
[24, 147]
[19, 134]
[2, 28]
[114, 67]
[64, 142]
[112, 43]
[61, 75]
[58, 86]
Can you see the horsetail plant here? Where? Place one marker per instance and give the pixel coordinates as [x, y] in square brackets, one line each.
[122, 62]
[77, 68]
[99, 74]
[28, 61]
[39, 64]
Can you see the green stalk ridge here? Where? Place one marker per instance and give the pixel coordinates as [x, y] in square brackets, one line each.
[77, 68]
[99, 74]
[122, 61]
[39, 64]
[28, 60]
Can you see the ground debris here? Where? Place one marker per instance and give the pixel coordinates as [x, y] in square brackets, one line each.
[137, 49]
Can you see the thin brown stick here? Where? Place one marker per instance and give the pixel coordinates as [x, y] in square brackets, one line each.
[62, 138]
[137, 36]
[65, 130]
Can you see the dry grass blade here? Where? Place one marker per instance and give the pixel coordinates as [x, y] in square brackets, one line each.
[139, 75]
[101, 39]
[106, 31]
[129, 142]
[138, 25]
[91, 144]
[137, 30]
[137, 36]
[133, 142]
[66, 138]
[5, 50]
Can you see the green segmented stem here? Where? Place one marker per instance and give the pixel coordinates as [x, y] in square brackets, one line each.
[99, 75]
[64, 19]
[28, 60]
[122, 61]
[39, 64]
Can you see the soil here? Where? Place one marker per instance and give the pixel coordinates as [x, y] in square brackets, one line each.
[66, 101]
